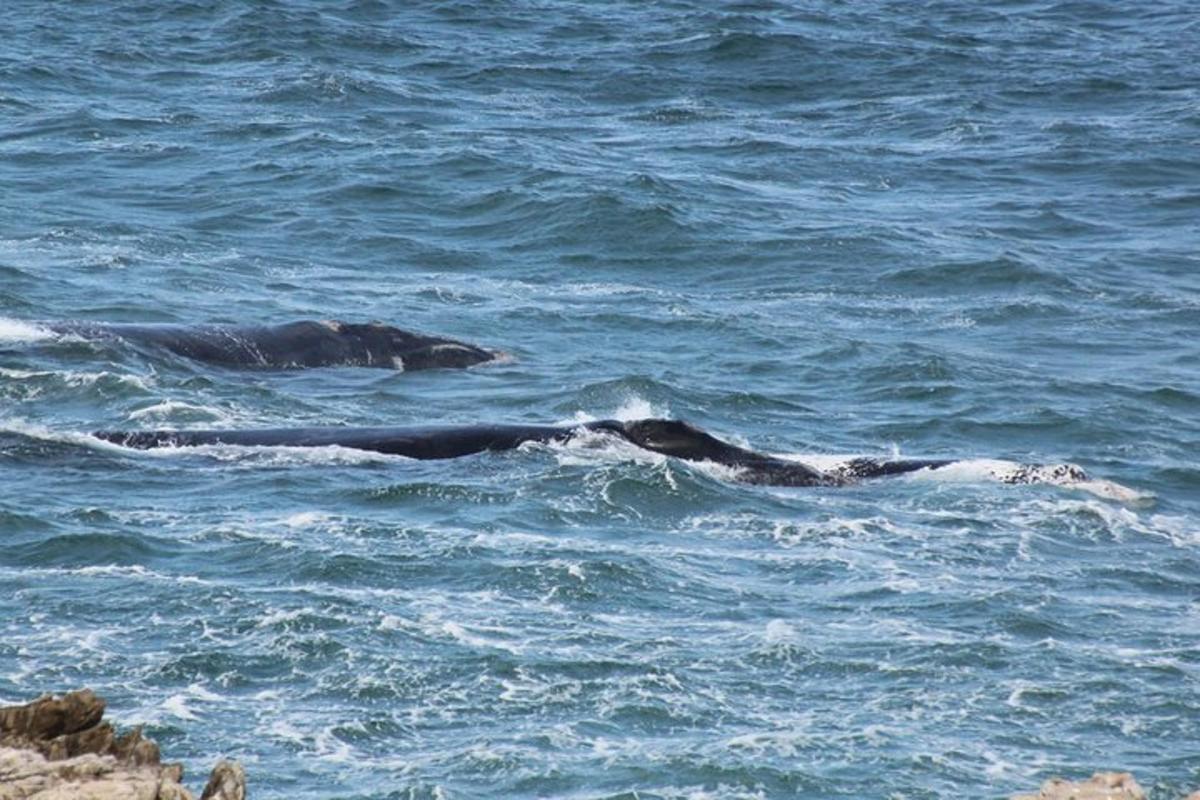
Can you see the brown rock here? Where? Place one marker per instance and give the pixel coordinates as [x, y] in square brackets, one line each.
[227, 782]
[57, 748]
[29, 774]
[49, 717]
[1101, 786]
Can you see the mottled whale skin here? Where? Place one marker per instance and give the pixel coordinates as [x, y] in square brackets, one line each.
[668, 437]
[292, 345]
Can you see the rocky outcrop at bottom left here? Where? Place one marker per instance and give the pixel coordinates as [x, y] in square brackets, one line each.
[58, 748]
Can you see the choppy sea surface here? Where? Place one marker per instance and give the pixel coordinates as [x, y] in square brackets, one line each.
[941, 229]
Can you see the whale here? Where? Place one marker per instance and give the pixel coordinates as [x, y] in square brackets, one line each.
[291, 345]
[668, 437]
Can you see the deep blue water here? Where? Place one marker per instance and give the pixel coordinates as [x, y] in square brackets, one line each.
[942, 228]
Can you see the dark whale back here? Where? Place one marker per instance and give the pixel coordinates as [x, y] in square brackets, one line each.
[420, 442]
[668, 437]
[683, 440]
[306, 343]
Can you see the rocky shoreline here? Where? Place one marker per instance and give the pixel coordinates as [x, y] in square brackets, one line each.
[59, 748]
[1101, 786]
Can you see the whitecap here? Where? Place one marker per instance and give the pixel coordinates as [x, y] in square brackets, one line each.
[462, 635]
[15, 330]
[42, 433]
[257, 455]
[77, 379]
[167, 409]
[633, 408]
[176, 705]
[306, 519]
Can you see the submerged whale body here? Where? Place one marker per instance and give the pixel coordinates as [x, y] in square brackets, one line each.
[307, 343]
[668, 437]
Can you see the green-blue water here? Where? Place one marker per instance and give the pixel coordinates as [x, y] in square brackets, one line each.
[945, 228]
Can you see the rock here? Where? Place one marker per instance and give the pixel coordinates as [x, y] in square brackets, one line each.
[227, 782]
[49, 717]
[1101, 786]
[29, 774]
[57, 748]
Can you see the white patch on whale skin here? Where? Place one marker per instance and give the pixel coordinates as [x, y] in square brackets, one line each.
[1069, 476]
[985, 469]
[455, 346]
[398, 363]
[822, 462]
[332, 324]
[976, 470]
[1110, 490]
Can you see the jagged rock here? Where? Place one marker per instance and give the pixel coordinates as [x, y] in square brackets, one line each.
[1101, 786]
[227, 782]
[57, 748]
[49, 717]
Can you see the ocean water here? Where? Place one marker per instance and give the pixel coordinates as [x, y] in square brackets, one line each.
[941, 229]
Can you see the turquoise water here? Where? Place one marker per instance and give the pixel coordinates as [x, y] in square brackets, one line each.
[813, 227]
